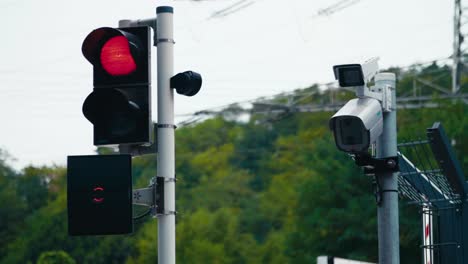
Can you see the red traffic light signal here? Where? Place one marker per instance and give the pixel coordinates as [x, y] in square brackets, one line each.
[120, 105]
[116, 58]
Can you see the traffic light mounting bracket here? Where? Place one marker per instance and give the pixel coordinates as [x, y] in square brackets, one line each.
[136, 150]
[152, 196]
[144, 196]
[140, 150]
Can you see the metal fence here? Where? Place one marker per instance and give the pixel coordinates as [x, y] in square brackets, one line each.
[431, 177]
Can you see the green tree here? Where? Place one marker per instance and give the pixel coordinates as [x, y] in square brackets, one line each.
[55, 257]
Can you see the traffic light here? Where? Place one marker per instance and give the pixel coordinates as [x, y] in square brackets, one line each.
[99, 195]
[120, 105]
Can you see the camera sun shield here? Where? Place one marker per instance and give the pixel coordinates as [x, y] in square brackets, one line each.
[349, 75]
[356, 75]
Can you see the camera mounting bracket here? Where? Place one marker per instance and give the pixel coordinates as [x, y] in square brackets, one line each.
[373, 165]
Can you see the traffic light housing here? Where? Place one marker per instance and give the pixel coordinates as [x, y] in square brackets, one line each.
[120, 105]
[99, 195]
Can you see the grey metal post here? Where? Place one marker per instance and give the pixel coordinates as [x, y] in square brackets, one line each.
[166, 147]
[457, 40]
[387, 212]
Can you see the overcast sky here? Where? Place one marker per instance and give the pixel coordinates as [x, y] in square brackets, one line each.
[269, 47]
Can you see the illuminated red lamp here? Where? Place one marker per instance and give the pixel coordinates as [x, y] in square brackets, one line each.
[98, 199]
[116, 58]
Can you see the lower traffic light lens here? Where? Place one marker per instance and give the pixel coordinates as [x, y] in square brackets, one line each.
[123, 122]
[114, 116]
[116, 57]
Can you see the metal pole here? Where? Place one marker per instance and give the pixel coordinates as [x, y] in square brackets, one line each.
[166, 147]
[456, 56]
[428, 242]
[387, 212]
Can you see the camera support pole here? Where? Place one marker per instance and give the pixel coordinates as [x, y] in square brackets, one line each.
[387, 211]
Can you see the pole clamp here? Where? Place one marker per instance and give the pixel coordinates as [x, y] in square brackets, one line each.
[167, 179]
[383, 191]
[166, 126]
[171, 180]
[170, 212]
[166, 40]
[378, 192]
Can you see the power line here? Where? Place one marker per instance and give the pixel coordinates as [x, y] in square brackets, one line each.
[237, 6]
[279, 111]
[336, 7]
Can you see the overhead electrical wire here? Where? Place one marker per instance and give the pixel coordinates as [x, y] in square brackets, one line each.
[218, 110]
[338, 6]
[237, 6]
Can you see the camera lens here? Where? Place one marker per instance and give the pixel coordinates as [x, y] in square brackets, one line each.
[351, 131]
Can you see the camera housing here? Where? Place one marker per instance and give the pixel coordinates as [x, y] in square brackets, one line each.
[357, 124]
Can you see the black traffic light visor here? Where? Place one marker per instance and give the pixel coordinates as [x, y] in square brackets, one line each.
[93, 43]
[101, 104]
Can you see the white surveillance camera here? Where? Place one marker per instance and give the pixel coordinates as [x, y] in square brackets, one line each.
[356, 75]
[357, 125]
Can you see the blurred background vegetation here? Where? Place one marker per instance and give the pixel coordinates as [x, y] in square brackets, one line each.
[274, 191]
